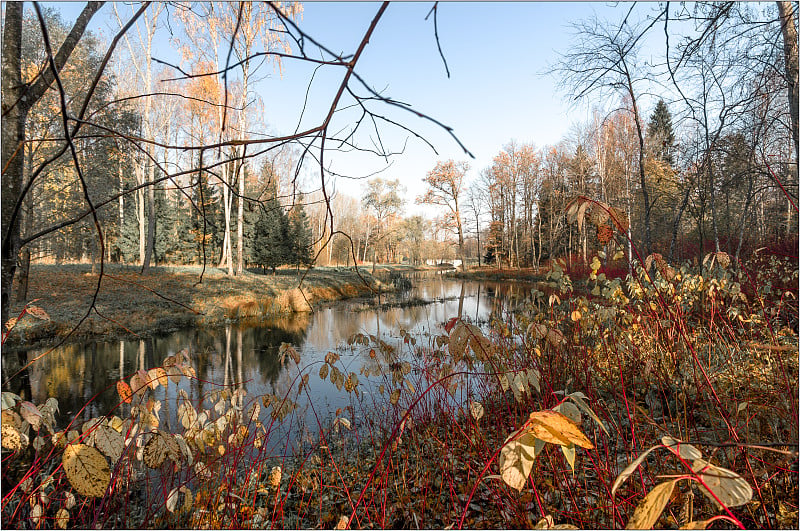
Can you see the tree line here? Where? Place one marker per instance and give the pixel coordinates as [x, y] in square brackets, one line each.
[111, 155]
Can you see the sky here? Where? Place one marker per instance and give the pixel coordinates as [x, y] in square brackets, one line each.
[498, 54]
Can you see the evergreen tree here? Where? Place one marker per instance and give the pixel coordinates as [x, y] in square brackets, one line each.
[206, 221]
[660, 136]
[167, 245]
[300, 236]
[271, 245]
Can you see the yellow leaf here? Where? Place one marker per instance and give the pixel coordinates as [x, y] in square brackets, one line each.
[10, 438]
[569, 453]
[62, 518]
[569, 410]
[86, 469]
[517, 456]
[551, 426]
[650, 508]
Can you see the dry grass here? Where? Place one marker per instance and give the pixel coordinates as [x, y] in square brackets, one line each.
[168, 298]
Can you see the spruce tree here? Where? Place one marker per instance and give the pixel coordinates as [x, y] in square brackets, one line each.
[300, 236]
[271, 246]
[660, 136]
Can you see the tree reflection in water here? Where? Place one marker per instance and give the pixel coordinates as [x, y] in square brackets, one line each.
[246, 355]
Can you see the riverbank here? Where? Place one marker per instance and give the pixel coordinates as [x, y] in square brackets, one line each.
[168, 298]
[499, 275]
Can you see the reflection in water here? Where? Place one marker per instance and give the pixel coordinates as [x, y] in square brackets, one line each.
[83, 377]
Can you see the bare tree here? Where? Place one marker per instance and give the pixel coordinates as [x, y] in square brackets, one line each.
[313, 142]
[444, 188]
[603, 59]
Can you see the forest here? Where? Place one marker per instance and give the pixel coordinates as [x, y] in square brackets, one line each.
[661, 232]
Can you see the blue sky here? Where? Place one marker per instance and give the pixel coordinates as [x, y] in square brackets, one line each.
[497, 53]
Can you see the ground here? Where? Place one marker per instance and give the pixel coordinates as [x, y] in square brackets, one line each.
[131, 304]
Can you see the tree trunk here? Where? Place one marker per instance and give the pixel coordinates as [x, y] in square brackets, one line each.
[790, 55]
[676, 222]
[240, 223]
[642, 177]
[25, 267]
[17, 99]
[121, 212]
[150, 243]
[15, 114]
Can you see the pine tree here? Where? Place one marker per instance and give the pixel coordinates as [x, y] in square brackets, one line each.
[660, 136]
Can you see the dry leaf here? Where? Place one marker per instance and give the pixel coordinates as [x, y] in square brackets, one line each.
[86, 469]
[36, 514]
[342, 523]
[697, 524]
[62, 518]
[275, 477]
[174, 495]
[10, 417]
[682, 449]
[10, 438]
[124, 391]
[517, 456]
[476, 409]
[551, 426]
[109, 441]
[31, 414]
[650, 508]
[155, 451]
[38, 313]
[625, 474]
[731, 489]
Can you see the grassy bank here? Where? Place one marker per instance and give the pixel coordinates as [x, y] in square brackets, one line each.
[497, 275]
[130, 304]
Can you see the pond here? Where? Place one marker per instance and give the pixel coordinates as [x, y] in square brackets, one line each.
[83, 377]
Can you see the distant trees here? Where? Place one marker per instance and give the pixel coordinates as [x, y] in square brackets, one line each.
[444, 188]
[382, 199]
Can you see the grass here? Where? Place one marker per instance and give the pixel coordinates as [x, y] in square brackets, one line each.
[169, 298]
[706, 355]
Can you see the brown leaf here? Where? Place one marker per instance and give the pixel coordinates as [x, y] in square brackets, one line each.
[31, 414]
[156, 450]
[38, 313]
[619, 218]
